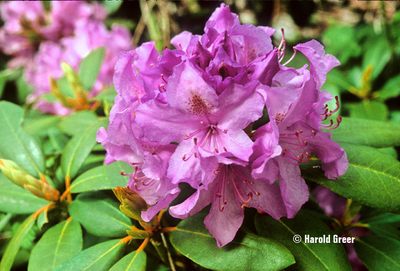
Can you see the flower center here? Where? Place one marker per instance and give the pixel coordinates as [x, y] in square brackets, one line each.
[241, 186]
[210, 140]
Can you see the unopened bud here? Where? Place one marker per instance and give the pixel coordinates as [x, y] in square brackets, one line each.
[21, 178]
[139, 234]
[131, 203]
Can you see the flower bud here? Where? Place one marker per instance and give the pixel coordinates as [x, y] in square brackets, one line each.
[132, 205]
[20, 177]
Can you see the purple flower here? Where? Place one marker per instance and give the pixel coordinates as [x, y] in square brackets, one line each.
[230, 192]
[89, 35]
[27, 24]
[194, 107]
[295, 128]
[203, 123]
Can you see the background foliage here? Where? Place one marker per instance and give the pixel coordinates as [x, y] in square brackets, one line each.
[83, 228]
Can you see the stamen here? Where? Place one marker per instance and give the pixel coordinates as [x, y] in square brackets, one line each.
[162, 77]
[332, 126]
[161, 88]
[294, 53]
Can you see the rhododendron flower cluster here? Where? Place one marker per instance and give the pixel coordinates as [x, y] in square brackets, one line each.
[187, 116]
[42, 39]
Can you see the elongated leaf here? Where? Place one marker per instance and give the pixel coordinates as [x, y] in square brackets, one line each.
[15, 243]
[97, 258]
[373, 178]
[378, 253]
[101, 178]
[16, 144]
[246, 252]
[378, 55]
[390, 89]
[79, 147]
[99, 215]
[57, 245]
[309, 256]
[134, 261]
[372, 110]
[77, 122]
[40, 125]
[90, 67]
[372, 133]
[384, 224]
[16, 200]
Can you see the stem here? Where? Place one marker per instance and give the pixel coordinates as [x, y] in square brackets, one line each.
[143, 245]
[67, 189]
[171, 262]
[167, 229]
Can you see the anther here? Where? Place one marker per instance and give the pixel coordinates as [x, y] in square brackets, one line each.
[151, 65]
[257, 194]
[195, 154]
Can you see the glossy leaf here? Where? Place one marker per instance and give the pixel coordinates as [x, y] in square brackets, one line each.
[16, 144]
[97, 258]
[385, 224]
[99, 215]
[373, 178]
[40, 124]
[372, 133]
[134, 261]
[101, 178]
[378, 253]
[90, 68]
[57, 245]
[79, 147]
[16, 243]
[308, 256]
[16, 200]
[246, 252]
[391, 89]
[372, 110]
[77, 122]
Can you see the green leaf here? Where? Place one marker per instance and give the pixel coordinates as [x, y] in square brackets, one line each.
[39, 125]
[57, 139]
[16, 144]
[57, 245]
[79, 147]
[372, 178]
[378, 253]
[99, 215]
[77, 122]
[372, 110]
[108, 94]
[378, 55]
[372, 133]
[90, 67]
[97, 258]
[6, 75]
[134, 261]
[101, 178]
[16, 200]
[391, 89]
[16, 243]
[23, 88]
[385, 224]
[246, 252]
[112, 6]
[308, 256]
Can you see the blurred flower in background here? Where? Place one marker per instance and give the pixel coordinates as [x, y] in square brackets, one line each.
[42, 35]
